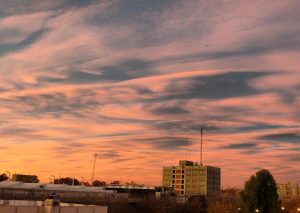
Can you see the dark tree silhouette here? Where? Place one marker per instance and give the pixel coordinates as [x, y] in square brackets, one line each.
[98, 183]
[67, 180]
[260, 193]
[115, 182]
[3, 177]
[86, 183]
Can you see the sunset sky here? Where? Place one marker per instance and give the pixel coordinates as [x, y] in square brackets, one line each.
[131, 80]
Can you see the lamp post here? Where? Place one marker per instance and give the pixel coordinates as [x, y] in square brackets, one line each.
[93, 173]
[82, 181]
[73, 181]
[53, 179]
[8, 175]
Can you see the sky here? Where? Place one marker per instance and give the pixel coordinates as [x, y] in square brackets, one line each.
[135, 80]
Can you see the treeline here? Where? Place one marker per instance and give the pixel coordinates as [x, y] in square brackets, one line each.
[75, 182]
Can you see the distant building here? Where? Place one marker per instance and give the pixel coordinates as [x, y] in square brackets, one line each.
[10, 190]
[25, 178]
[288, 190]
[190, 178]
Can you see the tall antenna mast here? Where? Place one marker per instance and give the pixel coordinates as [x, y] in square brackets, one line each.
[201, 147]
[186, 144]
[95, 158]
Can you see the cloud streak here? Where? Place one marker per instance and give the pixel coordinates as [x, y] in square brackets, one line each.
[133, 80]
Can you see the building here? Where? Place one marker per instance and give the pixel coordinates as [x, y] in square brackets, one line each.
[190, 178]
[288, 190]
[10, 190]
[25, 178]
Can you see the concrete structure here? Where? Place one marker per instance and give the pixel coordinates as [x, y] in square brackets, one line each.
[190, 178]
[50, 187]
[58, 209]
[25, 178]
[288, 190]
[69, 194]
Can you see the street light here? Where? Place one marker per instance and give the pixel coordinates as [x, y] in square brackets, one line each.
[298, 209]
[256, 210]
[8, 175]
[53, 179]
[73, 181]
[282, 208]
[93, 172]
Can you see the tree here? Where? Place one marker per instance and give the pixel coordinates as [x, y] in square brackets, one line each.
[115, 182]
[260, 193]
[3, 177]
[98, 183]
[67, 180]
[86, 183]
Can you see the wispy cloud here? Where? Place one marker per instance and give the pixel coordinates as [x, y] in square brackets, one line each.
[132, 80]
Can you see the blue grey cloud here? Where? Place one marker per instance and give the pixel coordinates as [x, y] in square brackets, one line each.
[227, 85]
[287, 137]
[166, 143]
[240, 146]
[6, 48]
[173, 110]
[125, 70]
[17, 7]
[185, 125]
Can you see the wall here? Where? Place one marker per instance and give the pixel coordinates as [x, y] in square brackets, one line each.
[61, 209]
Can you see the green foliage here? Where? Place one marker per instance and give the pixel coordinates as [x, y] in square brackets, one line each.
[260, 193]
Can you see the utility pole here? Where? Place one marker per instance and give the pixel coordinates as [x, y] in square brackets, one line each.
[95, 158]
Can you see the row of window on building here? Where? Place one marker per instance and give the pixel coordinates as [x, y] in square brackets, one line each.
[288, 190]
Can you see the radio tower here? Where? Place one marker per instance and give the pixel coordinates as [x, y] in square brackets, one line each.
[201, 163]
